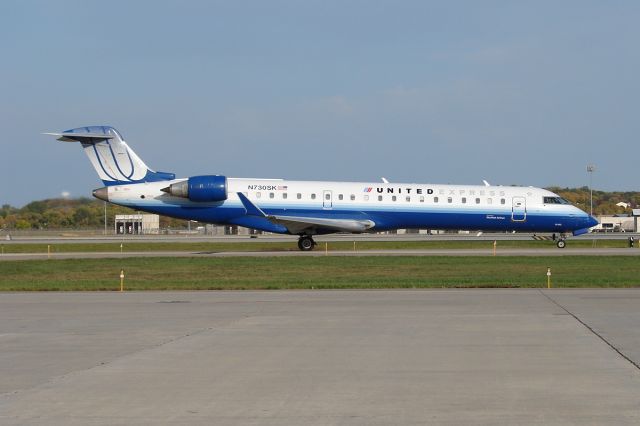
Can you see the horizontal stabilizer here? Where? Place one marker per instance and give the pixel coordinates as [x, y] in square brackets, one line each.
[81, 137]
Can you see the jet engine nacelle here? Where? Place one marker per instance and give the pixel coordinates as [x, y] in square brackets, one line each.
[200, 188]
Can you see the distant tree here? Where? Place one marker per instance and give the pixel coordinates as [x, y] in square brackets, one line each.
[82, 216]
[10, 221]
[22, 224]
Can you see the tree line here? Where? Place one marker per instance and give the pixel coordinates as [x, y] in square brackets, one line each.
[61, 213]
[604, 203]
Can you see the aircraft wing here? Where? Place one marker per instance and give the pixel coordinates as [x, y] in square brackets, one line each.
[300, 224]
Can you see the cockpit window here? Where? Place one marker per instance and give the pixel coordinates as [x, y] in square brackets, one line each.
[555, 200]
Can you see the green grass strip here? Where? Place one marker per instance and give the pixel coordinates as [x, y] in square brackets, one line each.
[318, 272]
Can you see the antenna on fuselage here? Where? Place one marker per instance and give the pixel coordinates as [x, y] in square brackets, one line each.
[485, 183]
[384, 180]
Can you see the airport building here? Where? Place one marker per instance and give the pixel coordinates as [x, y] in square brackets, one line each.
[618, 222]
[137, 224]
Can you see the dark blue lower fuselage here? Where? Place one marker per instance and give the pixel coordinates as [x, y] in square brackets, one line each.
[494, 220]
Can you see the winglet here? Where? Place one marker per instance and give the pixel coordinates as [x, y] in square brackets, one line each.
[252, 209]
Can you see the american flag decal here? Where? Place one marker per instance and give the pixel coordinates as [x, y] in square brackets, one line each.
[282, 188]
[368, 189]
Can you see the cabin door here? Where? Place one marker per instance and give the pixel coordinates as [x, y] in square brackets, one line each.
[519, 209]
[327, 199]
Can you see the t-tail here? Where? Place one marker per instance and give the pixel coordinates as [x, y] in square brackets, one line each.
[114, 161]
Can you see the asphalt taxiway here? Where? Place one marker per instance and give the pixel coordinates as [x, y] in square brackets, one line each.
[404, 357]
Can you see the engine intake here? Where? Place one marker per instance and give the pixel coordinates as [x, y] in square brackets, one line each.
[200, 188]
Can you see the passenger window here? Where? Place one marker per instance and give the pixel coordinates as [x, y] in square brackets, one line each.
[327, 197]
[258, 194]
[379, 197]
[313, 196]
[502, 201]
[340, 197]
[408, 199]
[435, 199]
[284, 195]
[464, 200]
[394, 198]
[366, 198]
[449, 200]
[271, 195]
[422, 198]
[298, 196]
[352, 197]
[477, 200]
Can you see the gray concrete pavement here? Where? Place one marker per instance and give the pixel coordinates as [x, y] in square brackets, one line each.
[319, 251]
[321, 357]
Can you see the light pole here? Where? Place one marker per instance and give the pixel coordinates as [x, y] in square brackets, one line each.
[590, 169]
[105, 218]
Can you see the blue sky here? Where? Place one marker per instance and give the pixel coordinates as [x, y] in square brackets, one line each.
[443, 92]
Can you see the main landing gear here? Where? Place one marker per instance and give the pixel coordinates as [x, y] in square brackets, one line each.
[306, 243]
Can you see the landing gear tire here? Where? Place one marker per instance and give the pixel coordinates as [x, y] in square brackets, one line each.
[561, 243]
[306, 243]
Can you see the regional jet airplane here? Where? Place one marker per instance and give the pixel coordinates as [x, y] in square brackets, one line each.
[308, 208]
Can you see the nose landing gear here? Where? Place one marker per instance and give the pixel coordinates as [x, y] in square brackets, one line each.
[560, 242]
[306, 243]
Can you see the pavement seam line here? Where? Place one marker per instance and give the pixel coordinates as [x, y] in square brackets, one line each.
[154, 346]
[618, 351]
[103, 363]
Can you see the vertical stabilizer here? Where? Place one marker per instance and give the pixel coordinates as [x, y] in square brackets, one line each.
[114, 161]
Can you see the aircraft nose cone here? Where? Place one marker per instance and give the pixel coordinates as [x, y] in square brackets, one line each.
[101, 193]
[592, 221]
